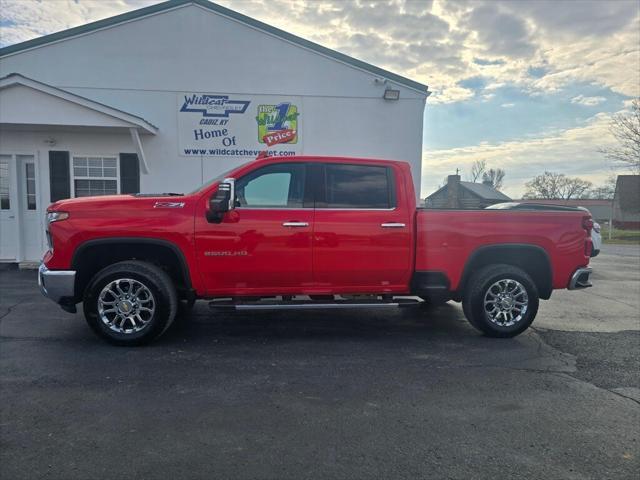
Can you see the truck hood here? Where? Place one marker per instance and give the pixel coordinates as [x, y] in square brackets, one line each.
[105, 201]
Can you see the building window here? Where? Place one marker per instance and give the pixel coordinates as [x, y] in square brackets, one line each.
[30, 180]
[95, 176]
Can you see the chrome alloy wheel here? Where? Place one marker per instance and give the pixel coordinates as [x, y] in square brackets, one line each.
[126, 305]
[506, 302]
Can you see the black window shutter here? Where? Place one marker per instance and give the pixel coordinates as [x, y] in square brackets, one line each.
[59, 176]
[129, 173]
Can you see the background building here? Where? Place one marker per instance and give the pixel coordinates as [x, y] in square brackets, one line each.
[166, 97]
[626, 202]
[458, 194]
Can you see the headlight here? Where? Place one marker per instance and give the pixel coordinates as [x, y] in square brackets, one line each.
[56, 216]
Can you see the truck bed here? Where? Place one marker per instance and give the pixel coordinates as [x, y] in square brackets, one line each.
[446, 240]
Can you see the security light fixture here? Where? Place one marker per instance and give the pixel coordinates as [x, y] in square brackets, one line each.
[390, 94]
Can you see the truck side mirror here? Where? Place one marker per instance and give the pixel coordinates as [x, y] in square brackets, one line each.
[222, 201]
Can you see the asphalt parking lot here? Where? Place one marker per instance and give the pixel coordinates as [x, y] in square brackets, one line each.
[412, 393]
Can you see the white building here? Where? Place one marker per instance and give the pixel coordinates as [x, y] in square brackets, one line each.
[163, 98]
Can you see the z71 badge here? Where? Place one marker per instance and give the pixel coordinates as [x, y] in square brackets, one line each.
[168, 205]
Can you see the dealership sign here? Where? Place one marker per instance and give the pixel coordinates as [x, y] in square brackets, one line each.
[277, 123]
[218, 125]
[281, 136]
[218, 106]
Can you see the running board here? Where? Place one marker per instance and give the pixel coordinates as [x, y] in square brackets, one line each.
[307, 305]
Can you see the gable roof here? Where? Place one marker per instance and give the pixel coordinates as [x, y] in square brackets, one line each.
[134, 121]
[172, 4]
[483, 191]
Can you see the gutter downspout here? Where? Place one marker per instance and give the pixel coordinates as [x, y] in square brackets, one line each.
[137, 143]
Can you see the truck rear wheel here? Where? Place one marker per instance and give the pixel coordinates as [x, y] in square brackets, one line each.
[130, 303]
[500, 300]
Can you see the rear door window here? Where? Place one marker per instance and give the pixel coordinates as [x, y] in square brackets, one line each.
[358, 186]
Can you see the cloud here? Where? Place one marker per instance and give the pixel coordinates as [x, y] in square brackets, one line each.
[575, 18]
[417, 7]
[538, 46]
[473, 83]
[485, 61]
[531, 64]
[588, 101]
[537, 72]
[26, 19]
[500, 33]
[572, 151]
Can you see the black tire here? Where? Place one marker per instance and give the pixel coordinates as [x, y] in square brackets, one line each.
[511, 322]
[132, 273]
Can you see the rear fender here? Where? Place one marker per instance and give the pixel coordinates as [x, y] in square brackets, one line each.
[531, 258]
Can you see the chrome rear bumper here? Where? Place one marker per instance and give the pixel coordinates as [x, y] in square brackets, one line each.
[581, 279]
[56, 284]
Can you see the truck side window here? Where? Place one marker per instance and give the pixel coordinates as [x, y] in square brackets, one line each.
[359, 186]
[273, 186]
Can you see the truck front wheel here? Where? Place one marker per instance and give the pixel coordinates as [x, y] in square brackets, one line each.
[130, 303]
[500, 300]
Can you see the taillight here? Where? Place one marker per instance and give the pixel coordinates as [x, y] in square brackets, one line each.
[587, 224]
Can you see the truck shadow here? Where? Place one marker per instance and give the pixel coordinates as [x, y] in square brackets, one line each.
[413, 321]
[440, 337]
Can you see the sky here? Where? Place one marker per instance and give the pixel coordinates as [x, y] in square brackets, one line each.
[526, 85]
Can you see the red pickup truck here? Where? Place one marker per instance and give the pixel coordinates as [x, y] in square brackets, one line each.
[304, 232]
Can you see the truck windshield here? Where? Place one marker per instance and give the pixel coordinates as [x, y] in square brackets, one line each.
[218, 178]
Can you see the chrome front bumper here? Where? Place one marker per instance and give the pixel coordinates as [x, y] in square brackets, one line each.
[581, 279]
[56, 284]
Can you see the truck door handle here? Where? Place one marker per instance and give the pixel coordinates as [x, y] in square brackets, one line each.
[392, 225]
[295, 224]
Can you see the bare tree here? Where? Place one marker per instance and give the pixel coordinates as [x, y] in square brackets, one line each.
[556, 186]
[477, 169]
[626, 129]
[575, 187]
[607, 190]
[494, 176]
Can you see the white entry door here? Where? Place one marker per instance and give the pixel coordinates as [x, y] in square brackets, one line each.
[8, 209]
[21, 218]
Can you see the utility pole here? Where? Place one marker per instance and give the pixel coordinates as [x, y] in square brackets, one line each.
[611, 217]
